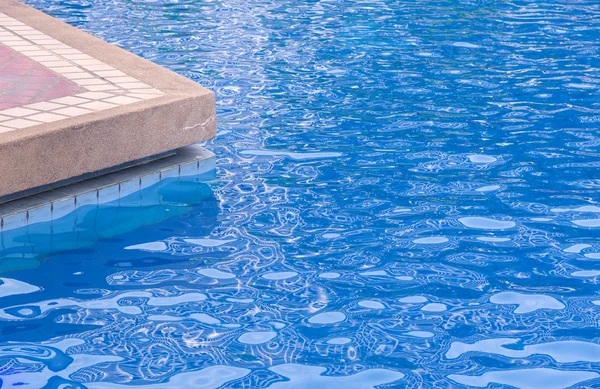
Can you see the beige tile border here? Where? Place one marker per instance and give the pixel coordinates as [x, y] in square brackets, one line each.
[107, 87]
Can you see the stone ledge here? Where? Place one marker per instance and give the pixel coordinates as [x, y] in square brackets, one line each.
[119, 108]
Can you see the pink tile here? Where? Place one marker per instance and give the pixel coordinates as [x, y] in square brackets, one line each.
[14, 71]
[18, 93]
[42, 79]
[24, 81]
[7, 105]
[43, 72]
[27, 84]
[19, 64]
[17, 100]
[22, 93]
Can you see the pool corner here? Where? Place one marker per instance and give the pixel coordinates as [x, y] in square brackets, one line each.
[73, 105]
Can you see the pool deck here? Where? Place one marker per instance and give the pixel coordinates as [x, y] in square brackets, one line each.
[72, 105]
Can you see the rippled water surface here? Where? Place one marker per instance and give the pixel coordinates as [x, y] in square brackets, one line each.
[407, 196]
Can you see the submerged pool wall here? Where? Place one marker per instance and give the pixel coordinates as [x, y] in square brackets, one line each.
[137, 197]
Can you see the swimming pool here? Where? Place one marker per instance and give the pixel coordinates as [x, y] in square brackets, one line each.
[406, 196]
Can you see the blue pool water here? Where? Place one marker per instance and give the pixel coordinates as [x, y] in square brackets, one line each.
[407, 196]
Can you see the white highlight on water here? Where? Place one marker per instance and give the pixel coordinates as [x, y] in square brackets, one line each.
[535, 378]
[413, 300]
[150, 246]
[564, 351]
[590, 223]
[480, 158]
[527, 303]
[338, 341]
[420, 334]
[309, 377]
[216, 273]
[257, 337]
[205, 242]
[371, 304]
[330, 275]
[374, 273]
[434, 307]
[431, 240]
[11, 287]
[297, 156]
[582, 209]
[485, 223]
[212, 377]
[282, 275]
[489, 188]
[577, 248]
[492, 239]
[327, 318]
[465, 45]
[586, 273]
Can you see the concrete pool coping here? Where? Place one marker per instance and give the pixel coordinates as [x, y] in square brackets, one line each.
[175, 111]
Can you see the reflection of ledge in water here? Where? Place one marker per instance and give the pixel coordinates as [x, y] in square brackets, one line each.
[143, 196]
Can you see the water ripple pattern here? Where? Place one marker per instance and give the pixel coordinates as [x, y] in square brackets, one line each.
[407, 196]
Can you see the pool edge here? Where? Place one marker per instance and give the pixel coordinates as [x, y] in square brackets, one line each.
[49, 152]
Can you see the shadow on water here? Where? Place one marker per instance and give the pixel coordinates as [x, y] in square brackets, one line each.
[60, 253]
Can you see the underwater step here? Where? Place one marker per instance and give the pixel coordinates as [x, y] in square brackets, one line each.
[151, 184]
